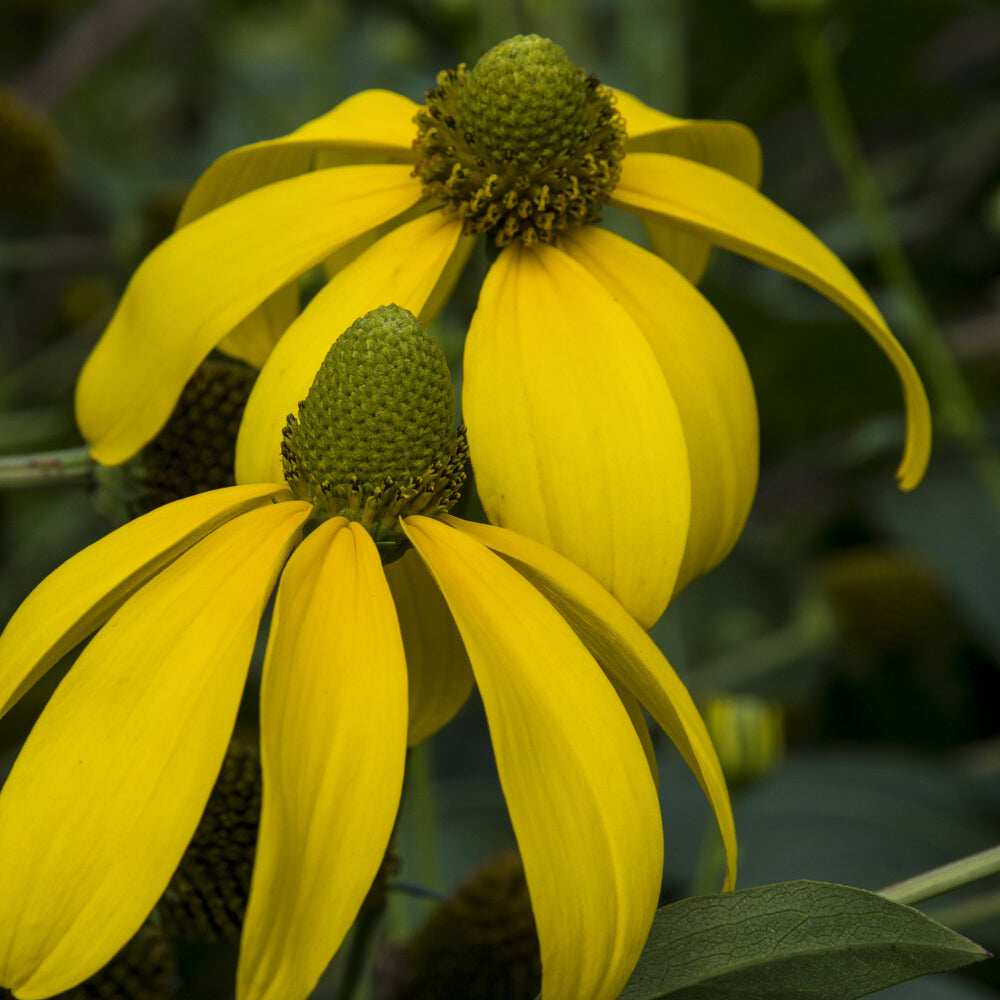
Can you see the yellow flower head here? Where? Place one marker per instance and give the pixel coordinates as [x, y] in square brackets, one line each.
[388, 609]
[598, 381]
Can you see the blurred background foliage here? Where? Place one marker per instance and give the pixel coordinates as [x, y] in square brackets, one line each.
[866, 621]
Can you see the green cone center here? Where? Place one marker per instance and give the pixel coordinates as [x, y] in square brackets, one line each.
[522, 147]
[373, 441]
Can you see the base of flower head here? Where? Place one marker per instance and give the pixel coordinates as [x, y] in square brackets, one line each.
[206, 899]
[378, 507]
[514, 193]
[481, 942]
[196, 449]
[145, 969]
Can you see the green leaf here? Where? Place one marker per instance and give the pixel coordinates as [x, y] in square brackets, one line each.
[791, 941]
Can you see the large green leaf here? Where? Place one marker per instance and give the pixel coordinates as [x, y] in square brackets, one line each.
[791, 941]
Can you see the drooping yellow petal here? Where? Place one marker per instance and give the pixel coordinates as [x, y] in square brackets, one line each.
[626, 652]
[202, 281]
[437, 665]
[708, 377]
[740, 219]
[727, 146]
[572, 426]
[112, 781]
[577, 783]
[373, 124]
[333, 746]
[77, 598]
[408, 267]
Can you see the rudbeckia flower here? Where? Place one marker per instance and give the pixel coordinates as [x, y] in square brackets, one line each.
[597, 379]
[387, 609]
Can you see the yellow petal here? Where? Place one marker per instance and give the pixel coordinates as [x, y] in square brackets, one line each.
[79, 596]
[626, 652]
[112, 781]
[371, 127]
[409, 266]
[708, 378]
[373, 124]
[333, 746]
[201, 282]
[727, 146]
[436, 662]
[577, 783]
[574, 435]
[740, 219]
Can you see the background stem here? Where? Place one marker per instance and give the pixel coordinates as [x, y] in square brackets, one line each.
[955, 409]
[944, 879]
[46, 468]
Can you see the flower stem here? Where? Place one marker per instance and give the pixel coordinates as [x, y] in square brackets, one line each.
[364, 927]
[939, 880]
[956, 410]
[46, 468]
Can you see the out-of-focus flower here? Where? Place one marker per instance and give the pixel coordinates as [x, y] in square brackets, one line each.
[748, 733]
[480, 942]
[28, 159]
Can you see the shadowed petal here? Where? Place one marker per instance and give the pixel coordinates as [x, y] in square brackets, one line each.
[740, 219]
[77, 598]
[577, 783]
[635, 713]
[333, 745]
[708, 377]
[436, 662]
[253, 338]
[572, 426]
[112, 781]
[628, 655]
[414, 266]
[201, 282]
[727, 146]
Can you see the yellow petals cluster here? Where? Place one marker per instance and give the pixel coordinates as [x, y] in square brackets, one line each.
[368, 651]
[554, 427]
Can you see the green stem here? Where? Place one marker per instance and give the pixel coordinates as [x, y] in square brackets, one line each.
[420, 779]
[951, 876]
[956, 410]
[418, 837]
[419, 796]
[364, 928]
[46, 468]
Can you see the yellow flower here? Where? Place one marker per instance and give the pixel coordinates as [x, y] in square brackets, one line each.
[597, 379]
[362, 659]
